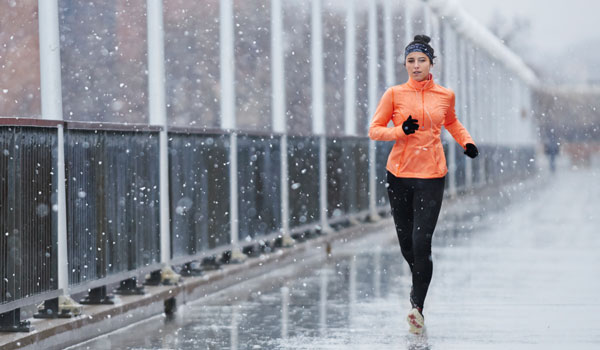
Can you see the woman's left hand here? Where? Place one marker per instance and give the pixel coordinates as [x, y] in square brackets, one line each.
[471, 150]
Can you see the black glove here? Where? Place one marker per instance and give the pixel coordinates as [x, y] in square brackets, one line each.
[410, 125]
[471, 150]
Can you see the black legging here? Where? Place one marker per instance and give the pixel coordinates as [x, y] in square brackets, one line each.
[416, 206]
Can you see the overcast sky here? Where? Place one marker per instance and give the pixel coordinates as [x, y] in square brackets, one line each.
[560, 30]
[555, 24]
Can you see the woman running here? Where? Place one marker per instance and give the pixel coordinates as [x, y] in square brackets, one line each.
[416, 166]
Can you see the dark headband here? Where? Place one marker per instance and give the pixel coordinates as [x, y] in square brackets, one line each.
[419, 47]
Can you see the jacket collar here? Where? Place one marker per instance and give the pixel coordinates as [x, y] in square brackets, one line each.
[421, 85]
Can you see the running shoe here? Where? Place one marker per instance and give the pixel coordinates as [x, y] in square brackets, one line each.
[415, 321]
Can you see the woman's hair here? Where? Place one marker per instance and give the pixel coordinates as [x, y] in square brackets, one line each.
[420, 44]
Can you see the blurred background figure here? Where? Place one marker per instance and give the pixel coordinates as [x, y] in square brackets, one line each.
[551, 148]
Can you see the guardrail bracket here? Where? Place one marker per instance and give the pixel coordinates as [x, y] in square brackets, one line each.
[130, 287]
[98, 296]
[61, 307]
[11, 322]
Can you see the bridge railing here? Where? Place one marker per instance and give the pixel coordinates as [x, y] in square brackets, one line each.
[28, 251]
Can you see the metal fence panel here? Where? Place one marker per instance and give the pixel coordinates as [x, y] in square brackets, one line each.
[259, 174]
[112, 202]
[461, 165]
[303, 170]
[28, 259]
[382, 151]
[347, 175]
[199, 192]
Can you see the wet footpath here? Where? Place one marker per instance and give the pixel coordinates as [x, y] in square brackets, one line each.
[523, 276]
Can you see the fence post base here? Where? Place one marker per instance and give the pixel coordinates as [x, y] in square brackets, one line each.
[130, 287]
[234, 256]
[153, 279]
[252, 250]
[285, 241]
[211, 263]
[164, 276]
[11, 322]
[61, 307]
[374, 217]
[191, 269]
[98, 296]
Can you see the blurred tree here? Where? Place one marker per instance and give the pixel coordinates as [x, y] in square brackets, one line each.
[513, 32]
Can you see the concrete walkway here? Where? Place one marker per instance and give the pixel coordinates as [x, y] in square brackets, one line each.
[524, 277]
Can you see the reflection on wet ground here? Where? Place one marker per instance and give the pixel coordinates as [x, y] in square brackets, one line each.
[525, 277]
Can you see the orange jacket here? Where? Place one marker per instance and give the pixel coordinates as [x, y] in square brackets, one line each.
[418, 155]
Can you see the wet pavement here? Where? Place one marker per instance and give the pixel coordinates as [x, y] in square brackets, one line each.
[522, 277]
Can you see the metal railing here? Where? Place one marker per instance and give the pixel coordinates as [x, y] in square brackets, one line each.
[113, 197]
[112, 202]
[28, 236]
[199, 192]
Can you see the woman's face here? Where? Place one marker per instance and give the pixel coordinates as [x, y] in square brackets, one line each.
[417, 65]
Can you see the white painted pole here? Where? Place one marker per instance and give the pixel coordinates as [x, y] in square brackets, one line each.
[278, 72]
[372, 60]
[388, 37]
[156, 63]
[158, 116]
[450, 81]
[318, 112]
[408, 24]
[482, 114]
[51, 95]
[350, 85]
[427, 20]
[227, 66]
[318, 79]
[228, 112]
[279, 117]
[465, 108]
[50, 79]
[233, 188]
[63, 262]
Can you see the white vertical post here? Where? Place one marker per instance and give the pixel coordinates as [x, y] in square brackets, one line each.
[482, 113]
[372, 95]
[51, 95]
[63, 263]
[228, 110]
[388, 37]
[227, 69]
[233, 190]
[471, 107]
[465, 107]
[318, 113]
[156, 63]
[408, 24]
[50, 78]
[427, 20]
[279, 122]
[278, 73]
[158, 115]
[350, 86]
[450, 70]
